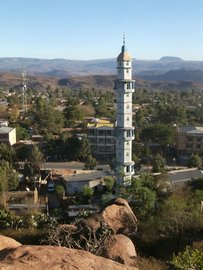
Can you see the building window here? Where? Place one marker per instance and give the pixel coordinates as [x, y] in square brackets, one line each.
[127, 70]
[127, 143]
[101, 132]
[127, 106]
[127, 95]
[198, 139]
[108, 133]
[128, 118]
[198, 146]
[127, 154]
[128, 133]
[128, 85]
[189, 139]
[189, 145]
[128, 169]
[127, 63]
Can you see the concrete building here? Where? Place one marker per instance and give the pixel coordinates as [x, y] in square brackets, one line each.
[74, 183]
[7, 135]
[189, 139]
[101, 136]
[124, 87]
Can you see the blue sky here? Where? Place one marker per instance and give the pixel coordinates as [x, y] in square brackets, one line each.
[91, 29]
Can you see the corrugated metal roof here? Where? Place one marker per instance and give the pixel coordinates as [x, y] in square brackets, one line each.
[185, 175]
[5, 129]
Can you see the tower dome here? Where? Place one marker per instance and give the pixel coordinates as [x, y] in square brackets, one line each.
[124, 55]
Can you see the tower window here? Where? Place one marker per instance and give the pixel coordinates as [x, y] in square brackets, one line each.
[127, 106]
[127, 70]
[127, 63]
[128, 118]
[127, 154]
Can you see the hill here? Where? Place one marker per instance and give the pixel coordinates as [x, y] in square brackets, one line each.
[98, 82]
[175, 75]
[63, 68]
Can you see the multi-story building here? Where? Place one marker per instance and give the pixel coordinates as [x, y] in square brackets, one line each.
[101, 135]
[7, 135]
[189, 139]
[124, 87]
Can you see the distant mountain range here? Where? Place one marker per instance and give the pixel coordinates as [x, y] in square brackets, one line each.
[165, 69]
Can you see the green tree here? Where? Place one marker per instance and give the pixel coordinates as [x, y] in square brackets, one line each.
[87, 193]
[22, 133]
[137, 161]
[177, 215]
[158, 163]
[101, 108]
[47, 119]
[84, 149]
[90, 162]
[142, 198]
[7, 152]
[195, 161]
[60, 191]
[158, 133]
[8, 177]
[72, 114]
[109, 182]
[190, 258]
[36, 156]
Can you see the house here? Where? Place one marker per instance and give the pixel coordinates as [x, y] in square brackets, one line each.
[185, 175]
[101, 136]
[76, 181]
[3, 123]
[189, 139]
[7, 135]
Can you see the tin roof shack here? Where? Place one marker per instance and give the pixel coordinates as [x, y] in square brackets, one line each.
[75, 182]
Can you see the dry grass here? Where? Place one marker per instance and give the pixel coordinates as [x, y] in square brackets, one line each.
[150, 264]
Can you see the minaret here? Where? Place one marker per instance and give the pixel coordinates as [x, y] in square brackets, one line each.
[124, 87]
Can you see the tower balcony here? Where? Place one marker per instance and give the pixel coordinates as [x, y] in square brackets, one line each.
[127, 134]
[126, 86]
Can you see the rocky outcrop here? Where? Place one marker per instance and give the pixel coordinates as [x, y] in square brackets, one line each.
[121, 249]
[117, 215]
[56, 258]
[8, 243]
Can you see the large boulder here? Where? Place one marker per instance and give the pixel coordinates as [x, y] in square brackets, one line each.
[121, 249]
[117, 215]
[57, 258]
[8, 243]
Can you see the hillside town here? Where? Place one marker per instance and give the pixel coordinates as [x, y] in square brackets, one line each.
[122, 164]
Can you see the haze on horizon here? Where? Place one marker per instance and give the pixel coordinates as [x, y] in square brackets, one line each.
[85, 29]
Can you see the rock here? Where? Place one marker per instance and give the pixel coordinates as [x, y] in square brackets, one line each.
[8, 243]
[57, 258]
[121, 249]
[117, 215]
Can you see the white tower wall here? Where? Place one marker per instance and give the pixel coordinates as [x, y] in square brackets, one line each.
[124, 87]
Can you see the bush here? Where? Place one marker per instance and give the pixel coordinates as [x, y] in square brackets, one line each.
[189, 259]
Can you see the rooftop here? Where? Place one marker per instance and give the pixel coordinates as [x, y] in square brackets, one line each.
[185, 175]
[91, 175]
[97, 123]
[4, 129]
[191, 129]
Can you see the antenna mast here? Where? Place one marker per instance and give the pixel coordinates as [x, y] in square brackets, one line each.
[24, 90]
